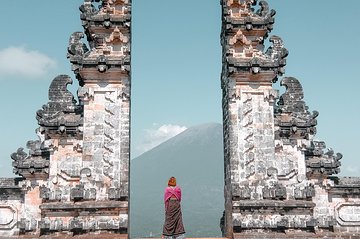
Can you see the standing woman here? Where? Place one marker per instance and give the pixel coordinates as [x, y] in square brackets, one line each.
[173, 226]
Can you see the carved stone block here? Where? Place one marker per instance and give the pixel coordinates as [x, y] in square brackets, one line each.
[77, 193]
[76, 225]
[27, 225]
[348, 214]
[8, 217]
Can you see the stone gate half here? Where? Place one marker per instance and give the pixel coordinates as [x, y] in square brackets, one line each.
[277, 177]
[75, 177]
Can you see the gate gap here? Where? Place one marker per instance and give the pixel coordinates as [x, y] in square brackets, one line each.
[176, 67]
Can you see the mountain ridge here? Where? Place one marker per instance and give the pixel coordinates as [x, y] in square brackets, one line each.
[195, 158]
[188, 133]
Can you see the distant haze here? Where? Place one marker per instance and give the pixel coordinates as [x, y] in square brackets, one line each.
[195, 158]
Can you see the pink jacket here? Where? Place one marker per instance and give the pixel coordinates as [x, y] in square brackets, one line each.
[171, 191]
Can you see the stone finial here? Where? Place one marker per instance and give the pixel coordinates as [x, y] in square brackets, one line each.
[292, 99]
[34, 165]
[61, 112]
[322, 160]
[87, 8]
[76, 47]
[292, 116]
[58, 92]
[277, 51]
[19, 155]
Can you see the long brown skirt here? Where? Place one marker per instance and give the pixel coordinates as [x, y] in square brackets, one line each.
[173, 225]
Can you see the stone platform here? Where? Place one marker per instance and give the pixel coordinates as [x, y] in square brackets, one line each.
[301, 235]
[93, 236]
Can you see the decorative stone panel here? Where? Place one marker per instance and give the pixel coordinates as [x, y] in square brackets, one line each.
[9, 216]
[348, 214]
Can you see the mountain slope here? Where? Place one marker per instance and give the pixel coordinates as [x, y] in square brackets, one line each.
[195, 158]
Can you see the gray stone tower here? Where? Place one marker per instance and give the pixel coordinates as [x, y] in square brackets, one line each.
[277, 177]
[75, 178]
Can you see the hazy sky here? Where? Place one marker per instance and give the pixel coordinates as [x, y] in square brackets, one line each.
[176, 65]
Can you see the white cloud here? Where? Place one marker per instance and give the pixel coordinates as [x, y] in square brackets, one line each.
[156, 136]
[18, 61]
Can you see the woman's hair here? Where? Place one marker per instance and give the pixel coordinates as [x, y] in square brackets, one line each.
[172, 182]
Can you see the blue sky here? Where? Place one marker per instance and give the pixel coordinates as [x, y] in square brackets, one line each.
[176, 65]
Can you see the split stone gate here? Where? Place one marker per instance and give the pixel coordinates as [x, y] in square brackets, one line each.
[278, 183]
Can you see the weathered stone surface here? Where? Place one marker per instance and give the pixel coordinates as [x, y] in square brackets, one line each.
[276, 174]
[61, 115]
[75, 177]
